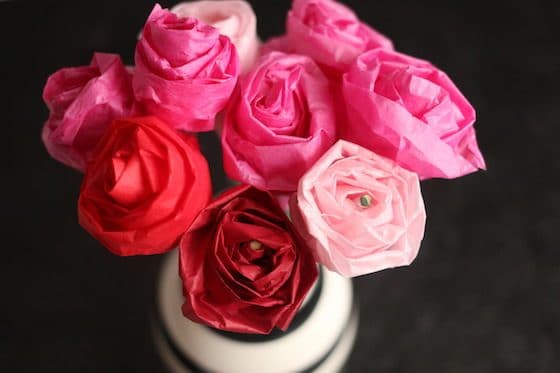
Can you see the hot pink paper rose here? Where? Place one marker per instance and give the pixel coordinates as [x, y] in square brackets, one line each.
[83, 101]
[185, 70]
[233, 18]
[406, 109]
[328, 32]
[360, 212]
[279, 122]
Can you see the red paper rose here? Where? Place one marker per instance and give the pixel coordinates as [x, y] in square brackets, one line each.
[244, 268]
[144, 187]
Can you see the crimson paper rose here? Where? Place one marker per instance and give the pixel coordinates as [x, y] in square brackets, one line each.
[327, 31]
[406, 109]
[244, 268]
[280, 121]
[185, 70]
[144, 187]
[83, 101]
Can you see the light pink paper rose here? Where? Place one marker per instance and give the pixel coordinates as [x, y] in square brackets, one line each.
[83, 101]
[360, 212]
[406, 109]
[233, 18]
[280, 121]
[185, 70]
[328, 32]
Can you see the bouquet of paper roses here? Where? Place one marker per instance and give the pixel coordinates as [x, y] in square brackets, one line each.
[328, 130]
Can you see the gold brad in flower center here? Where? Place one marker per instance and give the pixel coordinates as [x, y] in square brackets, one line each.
[365, 201]
[255, 245]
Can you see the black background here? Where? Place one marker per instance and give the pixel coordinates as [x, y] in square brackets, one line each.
[483, 295]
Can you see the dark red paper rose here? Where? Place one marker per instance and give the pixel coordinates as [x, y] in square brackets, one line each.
[244, 268]
[144, 187]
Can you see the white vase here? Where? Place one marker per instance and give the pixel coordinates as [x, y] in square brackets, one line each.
[320, 338]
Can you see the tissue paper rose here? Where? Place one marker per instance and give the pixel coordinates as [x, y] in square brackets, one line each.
[144, 187]
[185, 70]
[406, 109]
[329, 32]
[280, 121]
[359, 212]
[243, 266]
[83, 101]
[233, 18]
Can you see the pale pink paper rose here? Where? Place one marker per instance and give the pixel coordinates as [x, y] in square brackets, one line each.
[233, 18]
[408, 110]
[185, 70]
[279, 122]
[329, 32]
[83, 101]
[359, 212]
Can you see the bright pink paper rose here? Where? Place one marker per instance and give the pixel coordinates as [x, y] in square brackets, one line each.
[328, 32]
[360, 212]
[406, 109]
[83, 101]
[233, 18]
[185, 70]
[279, 122]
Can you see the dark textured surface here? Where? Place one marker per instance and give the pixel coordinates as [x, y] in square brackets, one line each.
[483, 296]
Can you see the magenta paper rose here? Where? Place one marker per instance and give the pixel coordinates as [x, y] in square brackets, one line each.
[328, 32]
[233, 18]
[279, 122]
[83, 101]
[360, 212]
[185, 70]
[406, 109]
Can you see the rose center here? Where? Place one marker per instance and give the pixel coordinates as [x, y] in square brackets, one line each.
[280, 104]
[254, 259]
[366, 200]
[255, 245]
